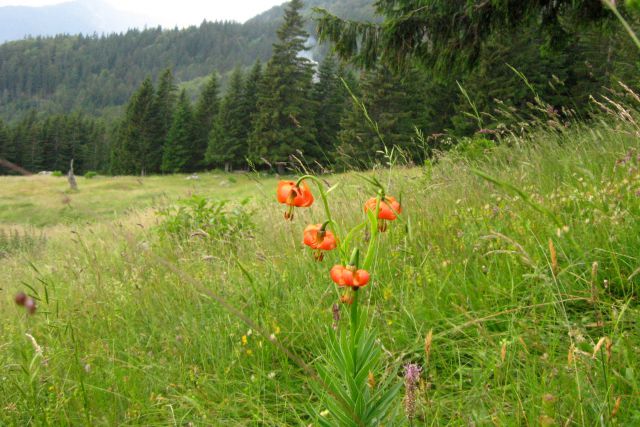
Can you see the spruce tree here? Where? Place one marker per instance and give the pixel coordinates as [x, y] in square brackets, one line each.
[132, 153]
[28, 142]
[177, 148]
[250, 95]
[284, 122]
[163, 109]
[205, 114]
[228, 139]
[395, 104]
[331, 100]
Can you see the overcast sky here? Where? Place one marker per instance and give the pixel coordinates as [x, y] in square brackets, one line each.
[177, 12]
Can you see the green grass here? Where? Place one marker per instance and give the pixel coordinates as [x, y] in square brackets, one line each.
[45, 201]
[129, 340]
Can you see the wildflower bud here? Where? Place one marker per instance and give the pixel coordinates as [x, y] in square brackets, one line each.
[546, 421]
[346, 299]
[427, 346]
[336, 315]
[30, 305]
[20, 298]
[554, 258]
[371, 380]
[594, 286]
[616, 407]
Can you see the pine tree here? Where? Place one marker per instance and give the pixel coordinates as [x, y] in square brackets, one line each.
[163, 109]
[205, 114]
[250, 95]
[228, 139]
[284, 122]
[396, 105]
[28, 142]
[177, 148]
[331, 99]
[132, 152]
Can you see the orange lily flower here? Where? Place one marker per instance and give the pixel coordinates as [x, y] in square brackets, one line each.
[319, 239]
[294, 195]
[388, 210]
[349, 276]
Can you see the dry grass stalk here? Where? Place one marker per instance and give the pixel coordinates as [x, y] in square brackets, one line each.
[554, 258]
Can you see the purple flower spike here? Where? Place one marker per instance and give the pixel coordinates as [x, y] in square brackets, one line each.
[411, 377]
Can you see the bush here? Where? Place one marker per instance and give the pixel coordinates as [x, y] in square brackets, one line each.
[90, 174]
[56, 173]
[211, 220]
[473, 148]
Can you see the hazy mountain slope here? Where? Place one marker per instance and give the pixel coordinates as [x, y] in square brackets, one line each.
[74, 17]
[98, 73]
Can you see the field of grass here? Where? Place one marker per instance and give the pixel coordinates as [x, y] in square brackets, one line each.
[46, 201]
[525, 264]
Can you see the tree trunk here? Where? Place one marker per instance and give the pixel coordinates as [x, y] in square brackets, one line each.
[72, 178]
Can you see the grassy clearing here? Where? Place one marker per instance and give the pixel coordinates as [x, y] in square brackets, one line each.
[46, 201]
[125, 340]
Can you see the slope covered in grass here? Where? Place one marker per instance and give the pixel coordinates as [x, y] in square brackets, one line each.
[524, 263]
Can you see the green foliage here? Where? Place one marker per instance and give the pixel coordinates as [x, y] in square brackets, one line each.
[94, 73]
[228, 138]
[473, 149]
[49, 143]
[513, 337]
[386, 115]
[90, 174]
[349, 396]
[135, 148]
[447, 35]
[177, 149]
[206, 219]
[164, 110]
[330, 98]
[206, 111]
[57, 174]
[15, 241]
[284, 122]
[513, 75]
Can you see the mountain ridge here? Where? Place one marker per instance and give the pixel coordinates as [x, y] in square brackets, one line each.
[98, 73]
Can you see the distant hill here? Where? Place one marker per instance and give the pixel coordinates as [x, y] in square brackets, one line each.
[98, 73]
[73, 17]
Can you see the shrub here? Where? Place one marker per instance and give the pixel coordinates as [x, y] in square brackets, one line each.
[473, 148]
[209, 219]
[90, 174]
[56, 173]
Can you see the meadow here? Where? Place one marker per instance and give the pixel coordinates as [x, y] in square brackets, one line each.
[521, 262]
